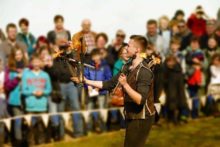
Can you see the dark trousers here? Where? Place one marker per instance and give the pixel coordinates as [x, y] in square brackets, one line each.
[137, 131]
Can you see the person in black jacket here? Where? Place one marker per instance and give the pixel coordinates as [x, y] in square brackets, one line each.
[174, 89]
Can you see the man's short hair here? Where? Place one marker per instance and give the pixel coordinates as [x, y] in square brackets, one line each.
[23, 21]
[58, 17]
[141, 41]
[10, 25]
[152, 21]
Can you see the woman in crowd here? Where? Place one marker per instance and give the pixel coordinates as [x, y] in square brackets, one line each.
[16, 63]
[213, 93]
[122, 54]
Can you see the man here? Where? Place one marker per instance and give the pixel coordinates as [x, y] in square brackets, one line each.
[26, 37]
[113, 49]
[138, 93]
[59, 34]
[87, 35]
[210, 30]
[185, 35]
[10, 43]
[155, 38]
[197, 22]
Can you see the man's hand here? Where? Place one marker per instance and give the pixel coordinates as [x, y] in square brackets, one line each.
[123, 80]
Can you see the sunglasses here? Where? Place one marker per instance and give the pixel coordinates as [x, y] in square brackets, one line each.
[120, 35]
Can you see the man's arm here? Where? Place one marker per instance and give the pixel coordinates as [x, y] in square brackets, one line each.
[108, 85]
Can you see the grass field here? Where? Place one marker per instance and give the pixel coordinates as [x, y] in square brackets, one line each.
[200, 133]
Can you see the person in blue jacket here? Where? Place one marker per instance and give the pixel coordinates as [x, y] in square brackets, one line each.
[102, 72]
[36, 88]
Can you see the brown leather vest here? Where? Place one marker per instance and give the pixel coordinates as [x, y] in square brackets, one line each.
[147, 109]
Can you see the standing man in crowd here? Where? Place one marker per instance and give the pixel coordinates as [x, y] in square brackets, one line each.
[59, 34]
[89, 37]
[26, 37]
[10, 43]
[153, 37]
[138, 93]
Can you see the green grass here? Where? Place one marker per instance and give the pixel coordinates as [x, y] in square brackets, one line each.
[199, 133]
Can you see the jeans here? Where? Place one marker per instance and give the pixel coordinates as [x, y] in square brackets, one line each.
[193, 93]
[95, 118]
[70, 93]
[17, 123]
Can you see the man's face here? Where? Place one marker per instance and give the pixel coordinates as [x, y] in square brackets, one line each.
[12, 33]
[59, 24]
[120, 38]
[131, 49]
[86, 26]
[210, 29]
[152, 29]
[24, 28]
[182, 27]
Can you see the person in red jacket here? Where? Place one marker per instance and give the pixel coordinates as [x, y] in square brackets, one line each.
[197, 22]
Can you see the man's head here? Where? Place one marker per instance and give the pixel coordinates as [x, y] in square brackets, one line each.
[182, 26]
[210, 26]
[179, 15]
[11, 30]
[24, 24]
[120, 36]
[152, 27]
[86, 25]
[137, 44]
[36, 62]
[175, 44]
[58, 21]
[199, 12]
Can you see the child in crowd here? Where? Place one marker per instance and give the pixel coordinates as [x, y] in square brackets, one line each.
[17, 61]
[194, 61]
[36, 88]
[101, 72]
[175, 90]
[213, 94]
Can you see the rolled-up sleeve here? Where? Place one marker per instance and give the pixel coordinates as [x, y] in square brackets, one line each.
[144, 81]
[110, 84]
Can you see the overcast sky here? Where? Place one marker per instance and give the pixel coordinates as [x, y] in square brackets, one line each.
[106, 15]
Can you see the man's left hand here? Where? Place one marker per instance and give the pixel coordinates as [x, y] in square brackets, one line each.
[123, 80]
